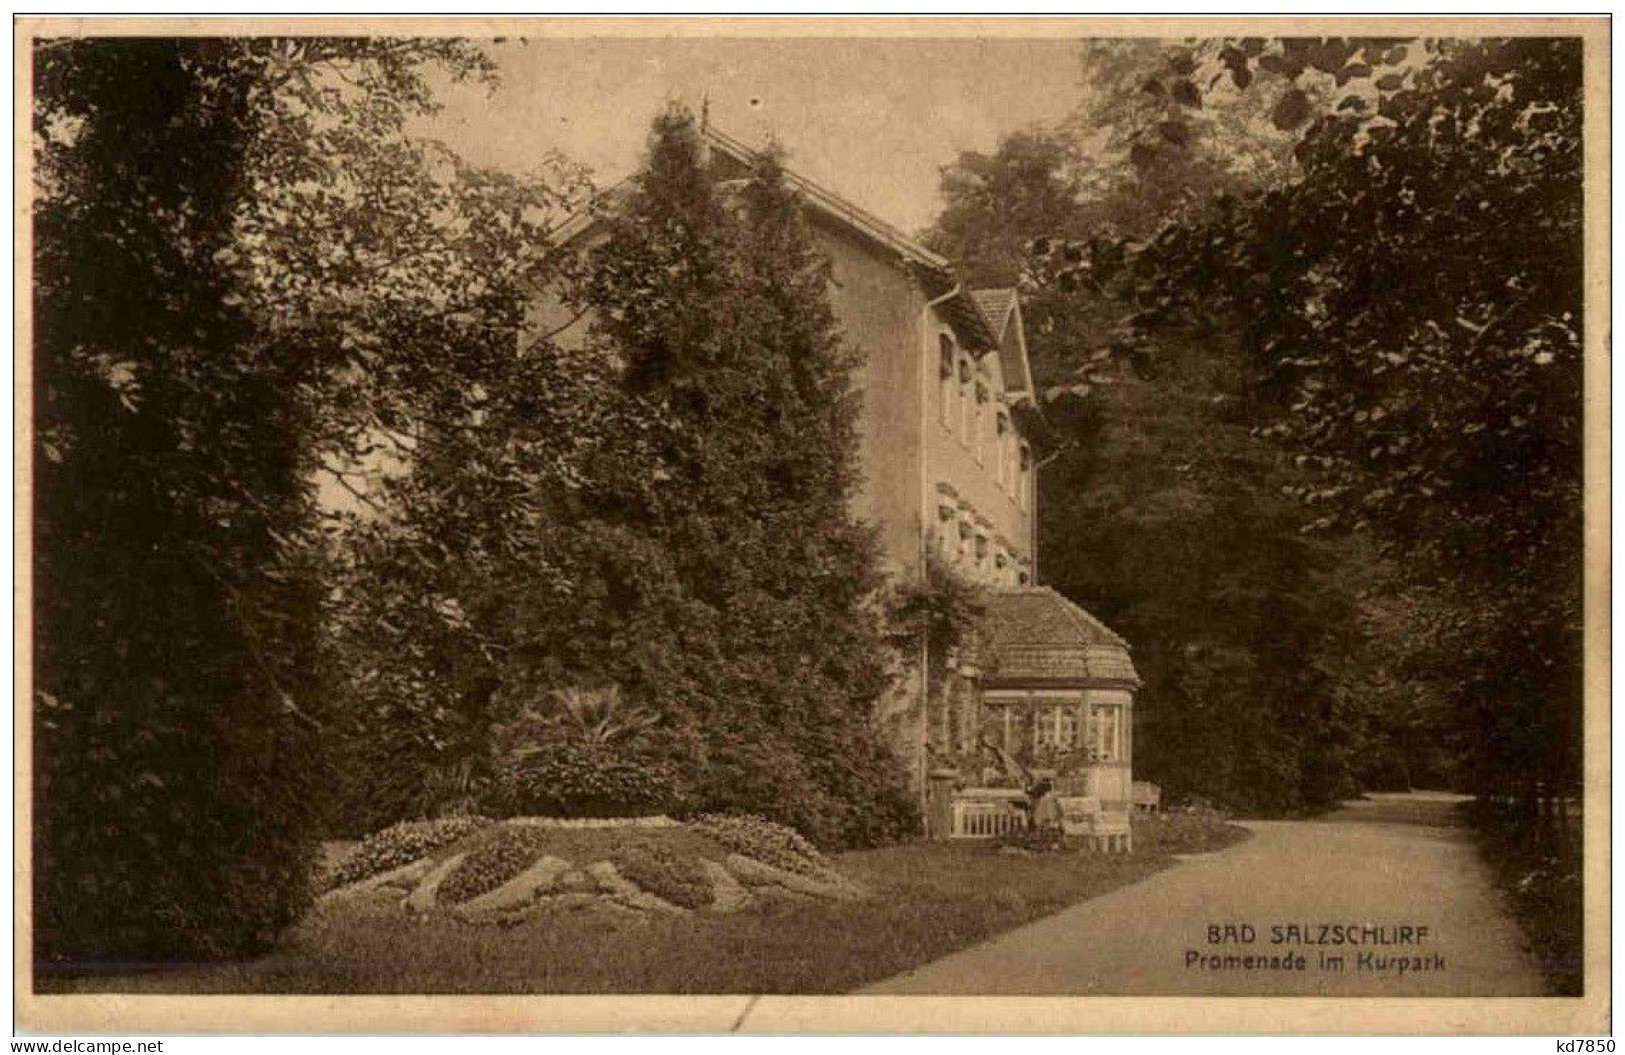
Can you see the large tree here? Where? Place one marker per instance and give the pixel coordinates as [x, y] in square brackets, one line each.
[1161, 510]
[1441, 415]
[718, 306]
[1150, 144]
[661, 513]
[216, 315]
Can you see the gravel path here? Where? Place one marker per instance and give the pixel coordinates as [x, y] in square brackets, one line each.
[1397, 863]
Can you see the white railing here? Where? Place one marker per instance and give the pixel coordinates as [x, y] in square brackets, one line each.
[983, 813]
[1103, 831]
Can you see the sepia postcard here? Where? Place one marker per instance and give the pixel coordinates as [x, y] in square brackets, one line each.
[838, 525]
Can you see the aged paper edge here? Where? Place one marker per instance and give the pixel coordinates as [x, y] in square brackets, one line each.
[127, 1013]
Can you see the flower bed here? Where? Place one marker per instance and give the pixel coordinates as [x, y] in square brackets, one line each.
[401, 844]
[576, 779]
[678, 878]
[495, 861]
[1048, 839]
[765, 841]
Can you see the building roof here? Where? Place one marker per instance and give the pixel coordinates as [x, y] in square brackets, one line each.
[996, 306]
[934, 271]
[1031, 635]
[866, 223]
[1000, 307]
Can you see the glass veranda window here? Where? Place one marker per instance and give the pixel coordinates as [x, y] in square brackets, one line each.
[1067, 727]
[1105, 732]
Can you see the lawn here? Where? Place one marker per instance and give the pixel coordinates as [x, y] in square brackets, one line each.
[930, 899]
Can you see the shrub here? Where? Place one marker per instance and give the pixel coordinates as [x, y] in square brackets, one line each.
[1194, 829]
[1539, 863]
[765, 841]
[400, 845]
[385, 776]
[678, 878]
[762, 777]
[877, 806]
[1047, 839]
[575, 778]
[488, 866]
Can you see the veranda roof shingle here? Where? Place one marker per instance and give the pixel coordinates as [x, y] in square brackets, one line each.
[1033, 634]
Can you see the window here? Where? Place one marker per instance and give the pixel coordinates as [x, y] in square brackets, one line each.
[978, 429]
[1067, 727]
[1001, 449]
[1026, 483]
[1045, 723]
[981, 549]
[947, 539]
[964, 400]
[1056, 728]
[945, 379]
[965, 532]
[1105, 735]
[1022, 578]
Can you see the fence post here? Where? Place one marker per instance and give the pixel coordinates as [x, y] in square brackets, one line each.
[939, 820]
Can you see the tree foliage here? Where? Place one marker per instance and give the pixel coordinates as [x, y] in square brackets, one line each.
[1167, 519]
[1413, 303]
[1157, 137]
[1246, 288]
[717, 305]
[662, 509]
[994, 205]
[177, 425]
[1160, 510]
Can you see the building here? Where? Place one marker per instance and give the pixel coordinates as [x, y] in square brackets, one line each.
[949, 467]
